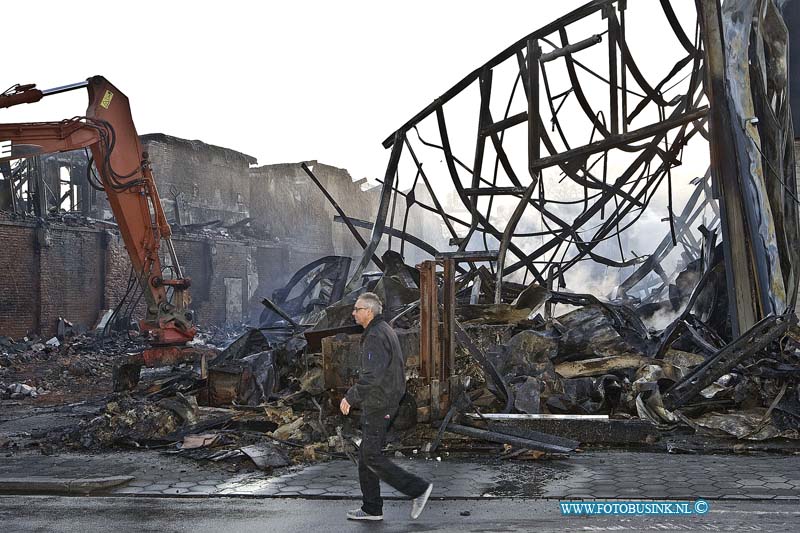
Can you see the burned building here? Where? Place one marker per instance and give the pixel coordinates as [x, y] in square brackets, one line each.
[624, 244]
[666, 190]
[240, 232]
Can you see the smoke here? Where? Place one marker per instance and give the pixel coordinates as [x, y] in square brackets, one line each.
[662, 318]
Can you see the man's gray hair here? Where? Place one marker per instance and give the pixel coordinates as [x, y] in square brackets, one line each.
[371, 300]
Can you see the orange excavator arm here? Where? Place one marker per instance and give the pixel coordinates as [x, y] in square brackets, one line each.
[125, 173]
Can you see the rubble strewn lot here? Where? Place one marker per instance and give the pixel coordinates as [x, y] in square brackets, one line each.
[502, 357]
[589, 376]
[55, 371]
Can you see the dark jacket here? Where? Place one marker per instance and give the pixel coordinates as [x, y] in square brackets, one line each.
[382, 379]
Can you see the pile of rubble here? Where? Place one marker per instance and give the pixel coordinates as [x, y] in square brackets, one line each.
[270, 397]
[598, 358]
[487, 357]
[20, 390]
[68, 367]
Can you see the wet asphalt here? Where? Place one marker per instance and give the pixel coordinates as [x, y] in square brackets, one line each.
[196, 515]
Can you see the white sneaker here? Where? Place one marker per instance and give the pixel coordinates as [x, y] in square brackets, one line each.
[359, 514]
[419, 502]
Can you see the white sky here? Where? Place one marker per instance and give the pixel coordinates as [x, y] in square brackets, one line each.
[281, 81]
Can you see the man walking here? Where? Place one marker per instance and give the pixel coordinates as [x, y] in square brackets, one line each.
[381, 385]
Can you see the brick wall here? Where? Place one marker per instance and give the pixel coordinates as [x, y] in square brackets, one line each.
[195, 259]
[275, 266]
[289, 207]
[50, 272]
[117, 269]
[71, 276]
[261, 267]
[228, 260]
[19, 289]
[75, 273]
[207, 262]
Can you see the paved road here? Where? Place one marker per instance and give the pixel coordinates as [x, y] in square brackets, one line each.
[197, 515]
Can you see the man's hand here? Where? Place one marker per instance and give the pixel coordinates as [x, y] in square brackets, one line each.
[344, 407]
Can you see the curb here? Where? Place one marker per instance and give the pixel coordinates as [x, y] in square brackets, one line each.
[56, 485]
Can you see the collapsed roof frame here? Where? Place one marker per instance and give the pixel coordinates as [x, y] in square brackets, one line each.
[759, 256]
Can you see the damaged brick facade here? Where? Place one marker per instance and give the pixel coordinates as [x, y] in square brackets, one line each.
[52, 272]
[289, 209]
[207, 182]
[76, 272]
[19, 287]
[287, 206]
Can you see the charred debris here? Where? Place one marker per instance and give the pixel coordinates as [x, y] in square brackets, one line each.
[699, 336]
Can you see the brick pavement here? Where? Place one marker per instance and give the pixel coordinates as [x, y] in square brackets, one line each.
[595, 474]
[625, 475]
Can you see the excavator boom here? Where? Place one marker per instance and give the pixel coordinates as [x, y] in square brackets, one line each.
[125, 172]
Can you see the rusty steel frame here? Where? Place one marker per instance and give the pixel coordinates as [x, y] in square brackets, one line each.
[439, 330]
[437, 339]
[687, 118]
[693, 106]
[430, 349]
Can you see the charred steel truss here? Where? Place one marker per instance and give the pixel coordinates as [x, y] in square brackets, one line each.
[592, 114]
[42, 184]
[612, 128]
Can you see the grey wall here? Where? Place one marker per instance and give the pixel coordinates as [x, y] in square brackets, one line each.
[213, 182]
